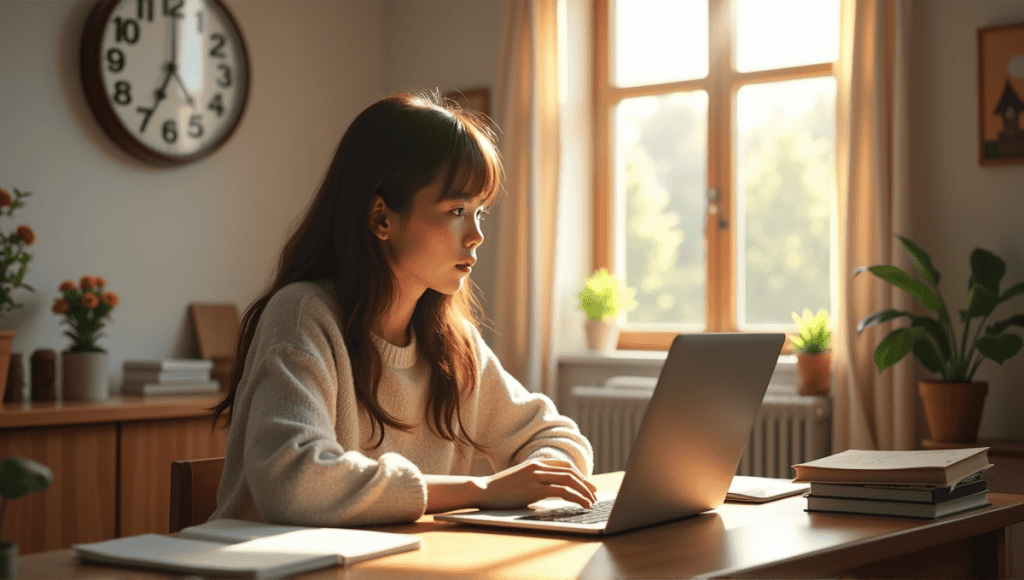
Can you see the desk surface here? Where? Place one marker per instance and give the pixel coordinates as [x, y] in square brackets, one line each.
[776, 539]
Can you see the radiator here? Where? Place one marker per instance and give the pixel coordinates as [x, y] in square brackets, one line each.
[789, 428]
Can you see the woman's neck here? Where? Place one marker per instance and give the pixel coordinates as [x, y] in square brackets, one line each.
[394, 325]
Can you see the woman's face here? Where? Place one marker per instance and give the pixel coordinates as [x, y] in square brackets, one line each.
[434, 244]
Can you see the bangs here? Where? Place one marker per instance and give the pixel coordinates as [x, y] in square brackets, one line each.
[475, 170]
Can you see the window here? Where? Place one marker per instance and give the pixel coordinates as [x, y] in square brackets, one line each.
[715, 161]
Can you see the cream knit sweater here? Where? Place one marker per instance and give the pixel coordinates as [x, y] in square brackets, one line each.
[296, 449]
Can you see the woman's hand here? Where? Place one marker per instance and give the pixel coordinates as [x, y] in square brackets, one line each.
[534, 480]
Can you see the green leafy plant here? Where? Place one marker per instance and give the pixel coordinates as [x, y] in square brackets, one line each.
[19, 476]
[13, 257]
[603, 296]
[933, 339]
[813, 335]
[84, 310]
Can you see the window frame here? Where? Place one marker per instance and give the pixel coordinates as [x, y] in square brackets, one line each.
[722, 85]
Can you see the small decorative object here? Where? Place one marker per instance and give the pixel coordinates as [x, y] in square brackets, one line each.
[15, 380]
[44, 375]
[812, 344]
[1001, 93]
[13, 264]
[85, 364]
[953, 405]
[18, 476]
[601, 299]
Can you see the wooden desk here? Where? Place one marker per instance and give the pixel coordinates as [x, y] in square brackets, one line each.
[775, 540]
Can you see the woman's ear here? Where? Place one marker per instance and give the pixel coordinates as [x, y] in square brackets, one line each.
[380, 218]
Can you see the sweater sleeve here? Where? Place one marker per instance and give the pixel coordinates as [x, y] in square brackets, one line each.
[517, 425]
[296, 469]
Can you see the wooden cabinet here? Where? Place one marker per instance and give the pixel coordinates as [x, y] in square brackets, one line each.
[111, 464]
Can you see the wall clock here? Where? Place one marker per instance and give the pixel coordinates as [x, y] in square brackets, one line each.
[166, 79]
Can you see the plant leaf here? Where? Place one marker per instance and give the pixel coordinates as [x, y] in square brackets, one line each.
[1015, 290]
[915, 288]
[19, 476]
[938, 332]
[981, 301]
[987, 269]
[929, 357]
[879, 318]
[922, 260]
[1016, 320]
[894, 347]
[999, 348]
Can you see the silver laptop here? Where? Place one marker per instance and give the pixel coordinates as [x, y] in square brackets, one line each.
[689, 444]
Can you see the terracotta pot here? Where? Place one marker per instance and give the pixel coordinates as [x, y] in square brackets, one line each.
[602, 335]
[6, 347]
[814, 368]
[953, 410]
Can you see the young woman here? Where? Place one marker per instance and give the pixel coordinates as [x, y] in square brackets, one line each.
[363, 392]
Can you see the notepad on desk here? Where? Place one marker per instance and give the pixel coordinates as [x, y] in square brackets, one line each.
[241, 549]
[749, 489]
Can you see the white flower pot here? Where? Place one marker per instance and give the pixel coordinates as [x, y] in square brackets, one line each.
[602, 335]
[85, 376]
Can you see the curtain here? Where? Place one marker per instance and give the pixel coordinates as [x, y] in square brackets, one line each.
[525, 307]
[872, 410]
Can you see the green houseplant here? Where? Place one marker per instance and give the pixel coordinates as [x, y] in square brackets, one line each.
[13, 265]
[18, 476]
[812, 344]
[602, 298]
[934, 341]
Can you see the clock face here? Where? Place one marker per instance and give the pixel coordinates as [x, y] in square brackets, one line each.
[167, 79]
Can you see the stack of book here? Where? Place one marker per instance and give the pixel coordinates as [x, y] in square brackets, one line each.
[168, 377]
[920, 484]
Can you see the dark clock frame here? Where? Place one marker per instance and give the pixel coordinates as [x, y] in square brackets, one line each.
[90, 69]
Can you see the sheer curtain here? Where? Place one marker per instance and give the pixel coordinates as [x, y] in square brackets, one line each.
[871, 410]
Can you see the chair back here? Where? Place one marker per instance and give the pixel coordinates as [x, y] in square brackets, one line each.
[194, 485]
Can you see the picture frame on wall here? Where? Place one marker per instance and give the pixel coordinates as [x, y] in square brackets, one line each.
[474, 99]
[1001, 94]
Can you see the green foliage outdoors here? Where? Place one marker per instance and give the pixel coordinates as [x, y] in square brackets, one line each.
[813, 335]
[603, 297]
[933, 339]
[19, 476]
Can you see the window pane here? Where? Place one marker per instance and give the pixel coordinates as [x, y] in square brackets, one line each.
[658, 41]
[785, 33]
[660, 171]
[785, 164]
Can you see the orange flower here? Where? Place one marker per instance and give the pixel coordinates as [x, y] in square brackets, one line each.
[90, 300]
[100, 282]
[68, 286]
[109, 298]
[87, 282]
[5, 198]
[60, 306]
[26, 234]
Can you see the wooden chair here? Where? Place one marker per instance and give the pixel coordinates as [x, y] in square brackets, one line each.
[194, 491]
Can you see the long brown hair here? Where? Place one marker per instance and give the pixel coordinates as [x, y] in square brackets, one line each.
[393, 149]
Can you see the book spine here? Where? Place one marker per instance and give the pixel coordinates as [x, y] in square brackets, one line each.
[171, 389]
[170, 365]
[166, 376]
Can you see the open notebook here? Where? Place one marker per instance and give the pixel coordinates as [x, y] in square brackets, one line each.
[240, 549]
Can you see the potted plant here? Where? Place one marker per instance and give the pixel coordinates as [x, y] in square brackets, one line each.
[812, 345]
[602, 298]
[953, 404]
[85, 364]
[18, 476]
[13, 264]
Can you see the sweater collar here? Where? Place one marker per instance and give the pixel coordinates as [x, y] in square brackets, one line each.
[398, 357]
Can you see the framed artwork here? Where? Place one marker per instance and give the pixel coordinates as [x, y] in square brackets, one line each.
[1001, 94]
[474, 99]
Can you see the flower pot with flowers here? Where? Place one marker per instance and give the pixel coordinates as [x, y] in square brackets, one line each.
[812, 345]
[952, 405]
[13, 264]
[18, 476]
[601, 299]
[84, 364]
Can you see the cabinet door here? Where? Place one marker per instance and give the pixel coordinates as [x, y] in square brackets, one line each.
[79, 506]
[147, 450]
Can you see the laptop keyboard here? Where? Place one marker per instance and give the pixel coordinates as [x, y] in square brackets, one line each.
[596, 513]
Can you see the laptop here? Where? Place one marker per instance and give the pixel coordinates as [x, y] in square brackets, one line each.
[689, 444]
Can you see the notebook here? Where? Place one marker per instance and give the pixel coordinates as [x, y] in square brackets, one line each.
[689, 443]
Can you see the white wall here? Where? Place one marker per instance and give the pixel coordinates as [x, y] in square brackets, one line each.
[165, 237]
[959, 205]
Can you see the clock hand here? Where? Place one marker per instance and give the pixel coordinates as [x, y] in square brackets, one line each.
[173, 66]
[188, 97]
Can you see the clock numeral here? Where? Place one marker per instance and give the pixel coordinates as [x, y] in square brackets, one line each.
[218, 47]
[217, 104]
[170, 131]
[115, 60]
[126, 29]
[195, 126]
[145, 120]
[122, 93]
[225, 81]
[173, 8]
[146, 10]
